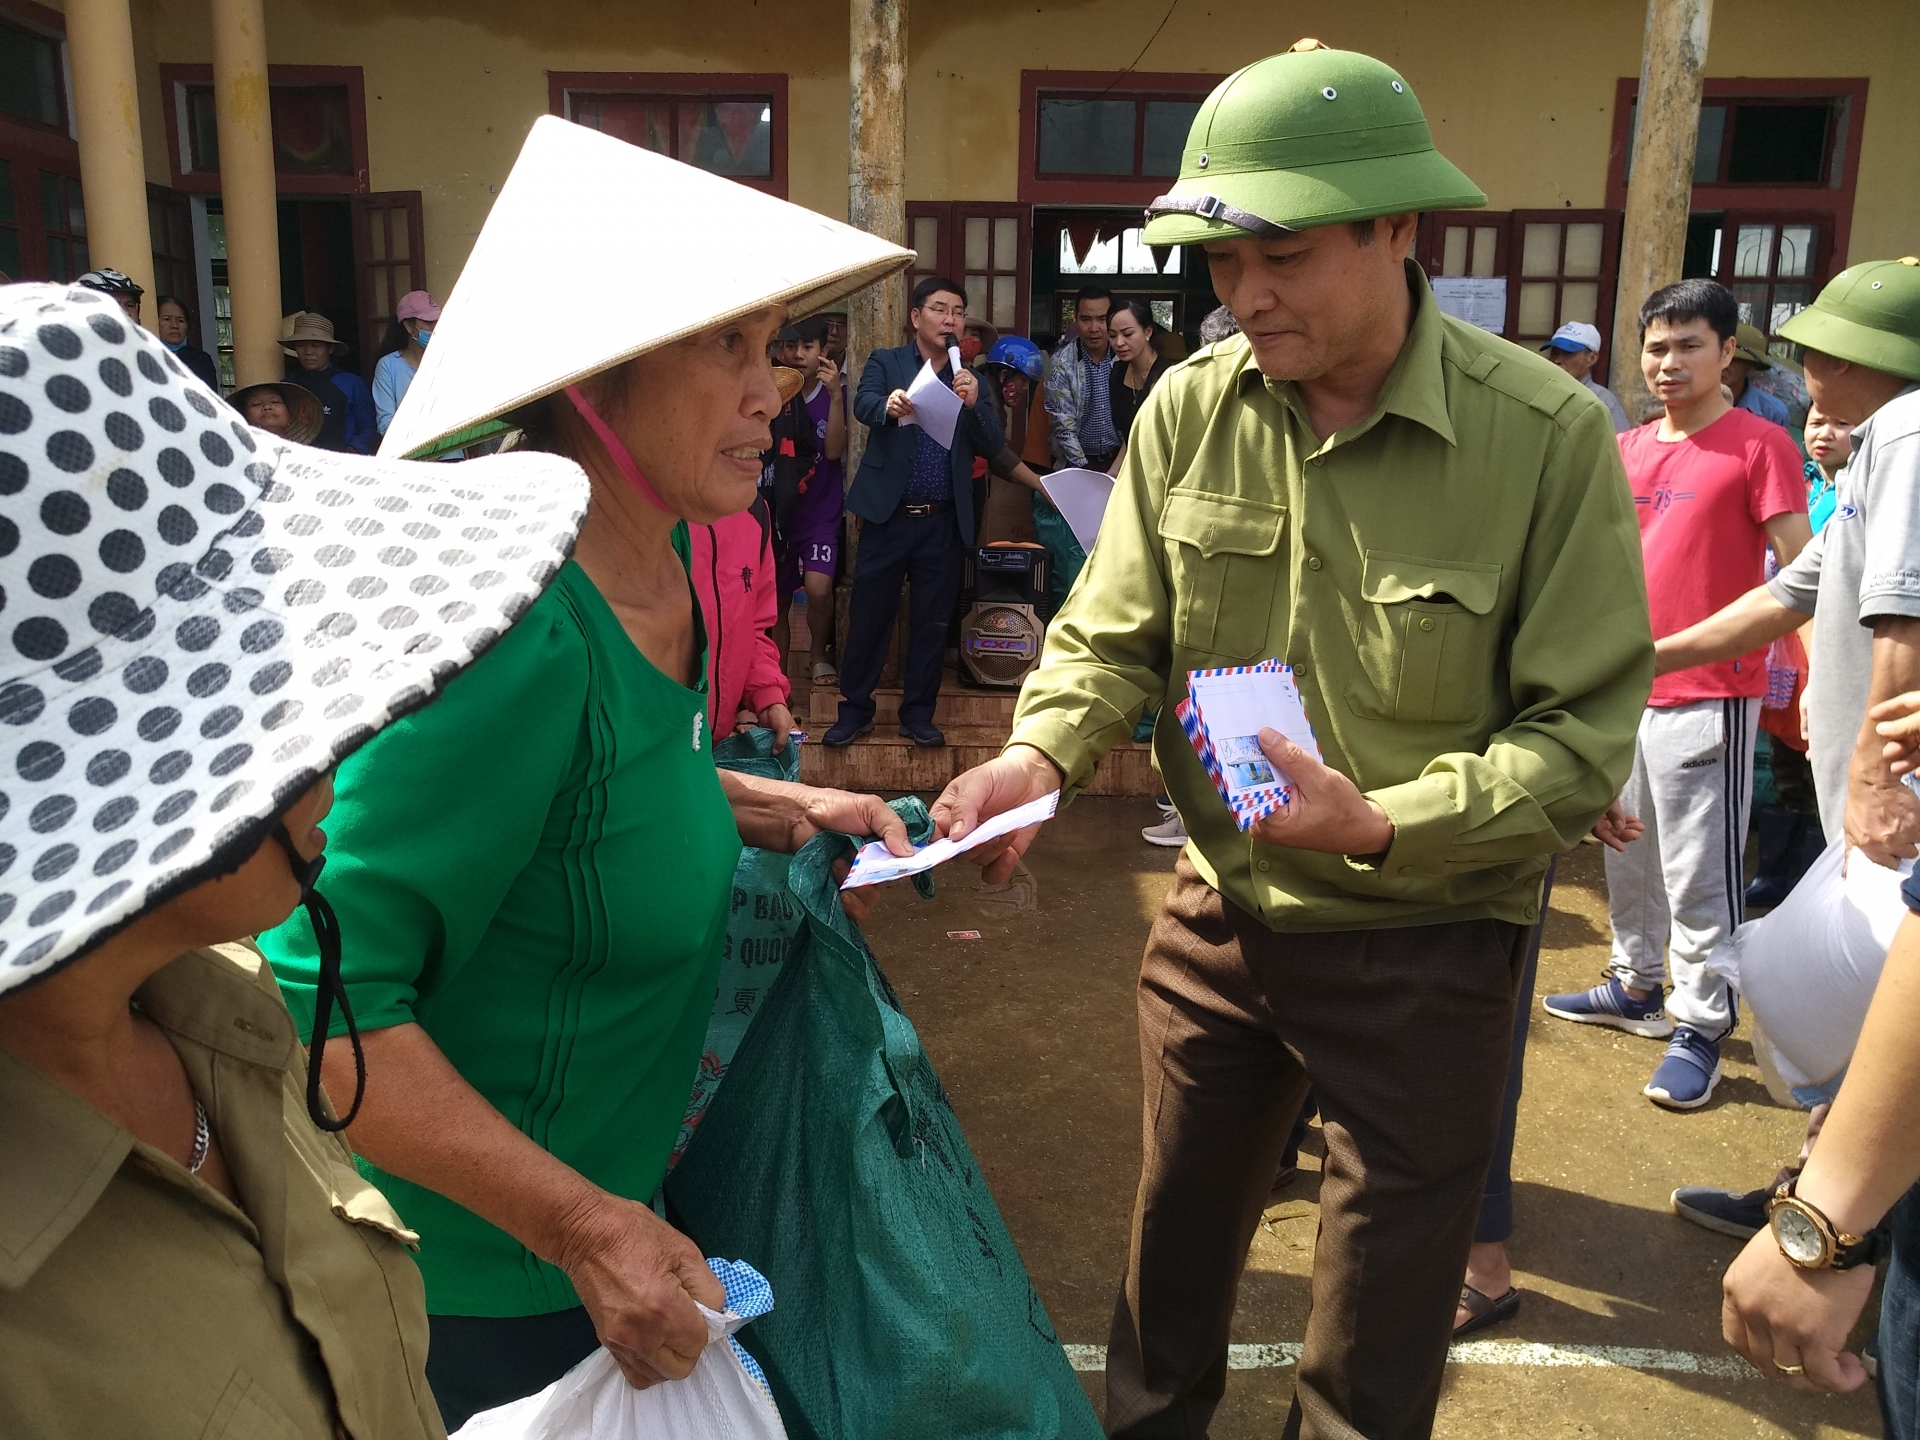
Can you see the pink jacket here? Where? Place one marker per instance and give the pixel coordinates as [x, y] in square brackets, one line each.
[733, 576]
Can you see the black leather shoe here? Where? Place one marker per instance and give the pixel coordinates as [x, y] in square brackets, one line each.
[923, 732]
[845, 732]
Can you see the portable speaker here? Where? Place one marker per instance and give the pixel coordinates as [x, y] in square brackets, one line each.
[1000, 641]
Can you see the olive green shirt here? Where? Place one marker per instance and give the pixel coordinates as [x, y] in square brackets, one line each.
[1456, 582]
[135, 1299]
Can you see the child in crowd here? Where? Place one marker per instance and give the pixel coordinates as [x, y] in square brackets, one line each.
[1829, 441]
[810, 530]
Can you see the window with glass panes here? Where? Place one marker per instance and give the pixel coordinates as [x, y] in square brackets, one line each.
[1565, 264]
[1776, 164]
[1092, 138]
[731, 125]
[11, 254]
[32, 86]
[1103, 135]
[983, 246]
[63, 219]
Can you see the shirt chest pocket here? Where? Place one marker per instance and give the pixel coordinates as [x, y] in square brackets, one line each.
[1429, 638]
[1225, 562]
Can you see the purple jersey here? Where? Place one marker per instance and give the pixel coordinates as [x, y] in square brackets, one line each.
[820, 503]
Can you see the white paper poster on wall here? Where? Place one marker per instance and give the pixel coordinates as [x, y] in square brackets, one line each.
[1478, 302]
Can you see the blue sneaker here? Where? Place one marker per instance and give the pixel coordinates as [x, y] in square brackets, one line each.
[1610, 1004]
[1685, 1077]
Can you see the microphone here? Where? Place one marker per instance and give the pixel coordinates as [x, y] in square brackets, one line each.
[953, 355]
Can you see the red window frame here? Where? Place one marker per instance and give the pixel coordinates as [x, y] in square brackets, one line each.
[1038, 189]
[173, 82]
[680, 85]
[32, 147]
[1831, 200]
[48, 25]
[951, 216]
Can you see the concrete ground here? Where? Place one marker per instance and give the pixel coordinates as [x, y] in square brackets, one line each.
[1032, 1029]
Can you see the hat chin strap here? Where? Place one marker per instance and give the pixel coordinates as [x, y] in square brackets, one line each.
[616, 450]
[330, 988]
[1212, 207]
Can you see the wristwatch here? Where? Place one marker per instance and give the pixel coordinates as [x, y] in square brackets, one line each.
[1811, 1241]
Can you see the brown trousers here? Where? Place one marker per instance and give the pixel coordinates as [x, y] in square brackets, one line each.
[1404, 1035]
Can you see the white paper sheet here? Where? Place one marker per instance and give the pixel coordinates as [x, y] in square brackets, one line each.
[936, 409]
[1235, 708]
[1478, 302]
[875, 865]
[1081, 498]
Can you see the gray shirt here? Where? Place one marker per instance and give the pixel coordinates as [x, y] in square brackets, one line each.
[1612, 402]
[1864, 564]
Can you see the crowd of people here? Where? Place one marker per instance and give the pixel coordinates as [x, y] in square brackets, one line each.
[1517, 615]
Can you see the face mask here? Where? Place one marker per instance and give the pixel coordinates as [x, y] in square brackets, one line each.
[175, 346]
[970, 348]
[423, 335]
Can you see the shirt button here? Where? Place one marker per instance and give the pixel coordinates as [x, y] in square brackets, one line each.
[1263, 867]
[1533, 912]
[1300, 669]
[1318, 460]
[1313, 562]
[1426, 624]
[1406, 869]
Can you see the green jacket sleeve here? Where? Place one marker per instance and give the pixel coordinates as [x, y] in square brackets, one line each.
[1580, 671]
[1108, 649]
[435, 817]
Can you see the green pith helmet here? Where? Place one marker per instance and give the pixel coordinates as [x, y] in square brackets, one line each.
[1868, 314]
[1312, 137]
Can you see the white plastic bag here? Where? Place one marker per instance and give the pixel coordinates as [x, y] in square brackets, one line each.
[720, 1400]
[1808, 970]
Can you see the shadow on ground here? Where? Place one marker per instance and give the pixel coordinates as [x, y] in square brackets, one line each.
[1032, 1028]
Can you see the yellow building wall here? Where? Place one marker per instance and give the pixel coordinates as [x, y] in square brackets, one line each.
[1520, 94]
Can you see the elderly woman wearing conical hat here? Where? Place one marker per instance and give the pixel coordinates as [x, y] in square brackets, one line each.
[534, 875]
[201, 621]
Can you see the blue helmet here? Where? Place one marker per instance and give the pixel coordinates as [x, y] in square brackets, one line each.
[1017, 352]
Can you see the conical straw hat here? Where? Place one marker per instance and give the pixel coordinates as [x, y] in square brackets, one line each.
[597, 251]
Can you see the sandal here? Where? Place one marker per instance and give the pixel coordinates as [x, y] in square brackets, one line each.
[1483, 1312]
[823, 671]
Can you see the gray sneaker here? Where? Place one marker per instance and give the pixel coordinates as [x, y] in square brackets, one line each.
[1169, 833]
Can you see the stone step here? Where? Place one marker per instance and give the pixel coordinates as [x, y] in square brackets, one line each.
[889, 763]
[957, 705]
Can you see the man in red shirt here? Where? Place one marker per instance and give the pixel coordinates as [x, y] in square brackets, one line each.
[1715, 486]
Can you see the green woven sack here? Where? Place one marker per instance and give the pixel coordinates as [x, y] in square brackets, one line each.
[831, 1161]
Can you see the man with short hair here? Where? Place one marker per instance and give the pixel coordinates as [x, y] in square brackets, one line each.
[915, 501]
[1077, 399]
[1859, 579]
[1715, 487]
[1432, 528]
[1750, 358]
[1575, 348]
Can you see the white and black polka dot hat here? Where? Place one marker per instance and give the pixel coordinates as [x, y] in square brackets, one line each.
[197, 619]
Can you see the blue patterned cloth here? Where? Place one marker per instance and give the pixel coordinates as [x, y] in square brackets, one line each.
[932, 477]
[749, 1296]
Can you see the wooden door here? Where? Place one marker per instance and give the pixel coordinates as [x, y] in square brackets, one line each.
[170, 224]
[389, 259]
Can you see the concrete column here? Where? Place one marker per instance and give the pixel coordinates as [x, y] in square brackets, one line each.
[1673, 60]
[106, 111]
[876, 177]
[245, 125]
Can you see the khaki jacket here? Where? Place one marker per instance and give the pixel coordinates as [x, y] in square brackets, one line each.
[1456, 582]
[136, 1300]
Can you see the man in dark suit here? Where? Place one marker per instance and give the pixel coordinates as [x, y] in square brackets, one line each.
[914, 498]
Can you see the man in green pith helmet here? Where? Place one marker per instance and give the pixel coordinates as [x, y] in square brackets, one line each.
[1432, 527]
